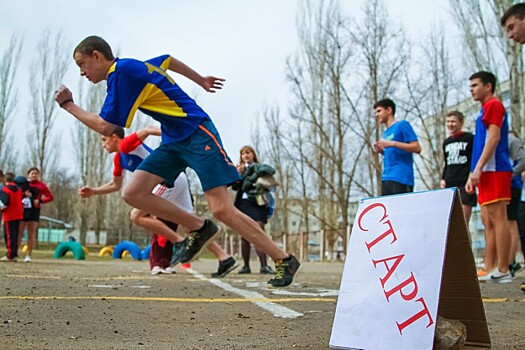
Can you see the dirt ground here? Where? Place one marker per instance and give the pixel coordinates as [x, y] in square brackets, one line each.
[101, 303]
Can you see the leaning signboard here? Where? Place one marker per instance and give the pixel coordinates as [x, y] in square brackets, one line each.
[408, 260]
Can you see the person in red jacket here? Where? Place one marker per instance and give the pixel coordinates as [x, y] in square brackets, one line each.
[40, 195]
[12, 210]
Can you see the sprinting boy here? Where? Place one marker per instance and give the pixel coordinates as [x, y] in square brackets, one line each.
[189, 139]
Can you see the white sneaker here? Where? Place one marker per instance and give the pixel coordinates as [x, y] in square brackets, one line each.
[5, 258]
[499, 277]
[487, 277]
[27, 258]
[156, 270]
[168, 270]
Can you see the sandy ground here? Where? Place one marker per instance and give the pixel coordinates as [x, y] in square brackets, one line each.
[117, 304]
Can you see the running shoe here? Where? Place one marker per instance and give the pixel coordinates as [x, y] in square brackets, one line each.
[198, 240]
[267, 270]
[499, 277]
[285, 273]
[514, 268]
[245, 269]
[6, 259]
[485, 277]
[156, 270]
[225, 267]
[178, 248]
[27, 258]
[168, 270]
[482, 272]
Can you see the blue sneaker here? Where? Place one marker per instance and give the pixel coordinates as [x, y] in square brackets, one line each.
[178, 248]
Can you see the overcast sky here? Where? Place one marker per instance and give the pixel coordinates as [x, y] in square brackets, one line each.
[244, 41]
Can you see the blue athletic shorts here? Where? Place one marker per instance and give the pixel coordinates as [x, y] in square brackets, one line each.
[202, 151]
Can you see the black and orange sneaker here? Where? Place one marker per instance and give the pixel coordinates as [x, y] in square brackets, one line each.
[285, 272]
[198, 240]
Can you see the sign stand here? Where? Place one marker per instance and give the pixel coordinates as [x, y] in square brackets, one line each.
[409, 259]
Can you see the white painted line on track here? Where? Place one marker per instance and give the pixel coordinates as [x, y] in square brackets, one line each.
[276, 309]
[323, 293]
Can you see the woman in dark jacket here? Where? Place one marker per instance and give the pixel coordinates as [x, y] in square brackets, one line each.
[249, 206]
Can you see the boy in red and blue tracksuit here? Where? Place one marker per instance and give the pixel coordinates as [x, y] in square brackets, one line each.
[11, 205]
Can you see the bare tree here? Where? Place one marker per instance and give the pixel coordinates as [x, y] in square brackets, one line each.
[323, 114]
[8, 99]
[276, 152]
[490, 49]
[47, 72]
[430, 87]
[384, 51]
[93, 164]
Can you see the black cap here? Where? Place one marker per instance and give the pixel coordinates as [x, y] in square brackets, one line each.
[21, 181]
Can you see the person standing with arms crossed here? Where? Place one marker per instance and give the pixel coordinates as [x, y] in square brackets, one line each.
[397, 145]
[457, 150]
[40, 194]
[189, 139]
[491, 173]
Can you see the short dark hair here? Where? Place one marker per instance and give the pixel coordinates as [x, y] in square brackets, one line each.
[516, 10]
[119, 131]
[486, 78]
[92, 43]
[458, 115]
[1, 174]
[9, 177]
[386, 103]
[33, 168]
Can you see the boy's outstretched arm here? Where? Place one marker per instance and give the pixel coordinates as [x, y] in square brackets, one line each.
[209, 83]
[64, 98]
[143, 133]
[113, 186]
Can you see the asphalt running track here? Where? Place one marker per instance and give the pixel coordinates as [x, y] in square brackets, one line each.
[41, 301]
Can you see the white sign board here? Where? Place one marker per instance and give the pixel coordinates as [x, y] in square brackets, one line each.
[391, 281]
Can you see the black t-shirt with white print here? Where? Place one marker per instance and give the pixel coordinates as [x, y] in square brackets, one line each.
[457, 150]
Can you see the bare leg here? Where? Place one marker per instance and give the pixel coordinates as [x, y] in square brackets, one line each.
[514, 240]
[151, 224]
[137, 193]
[263, 258]
[467, 211]
[217, 251]
[32, 232]
[498, 216]
[490, 241]
[222, 208]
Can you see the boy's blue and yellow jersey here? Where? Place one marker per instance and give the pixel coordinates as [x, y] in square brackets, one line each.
[135, 85]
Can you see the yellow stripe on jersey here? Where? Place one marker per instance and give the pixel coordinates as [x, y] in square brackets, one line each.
[153, 99]
[112, 69]
[166, 64]
[152, 68]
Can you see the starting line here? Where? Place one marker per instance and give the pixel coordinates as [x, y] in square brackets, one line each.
[181, 300]
[254, 297]
[272, 306]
